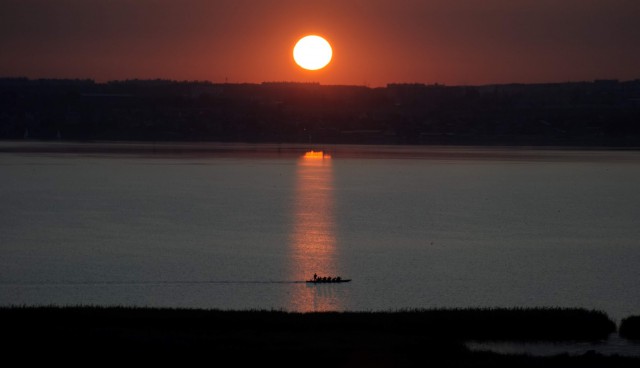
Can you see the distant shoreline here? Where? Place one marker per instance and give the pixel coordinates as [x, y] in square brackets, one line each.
[282, 149]
[601, 113]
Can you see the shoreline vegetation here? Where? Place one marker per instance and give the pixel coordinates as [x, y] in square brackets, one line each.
[599, 113]
[630, 328]
[394, 338]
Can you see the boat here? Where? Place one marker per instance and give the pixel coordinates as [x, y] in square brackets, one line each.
[327, 280]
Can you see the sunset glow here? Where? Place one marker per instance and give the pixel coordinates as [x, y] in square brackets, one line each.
[377, 42]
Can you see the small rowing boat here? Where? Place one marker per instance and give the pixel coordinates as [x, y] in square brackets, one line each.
[327, 280]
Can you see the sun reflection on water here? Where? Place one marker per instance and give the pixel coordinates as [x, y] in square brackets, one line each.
[313, 240]
[310, 155]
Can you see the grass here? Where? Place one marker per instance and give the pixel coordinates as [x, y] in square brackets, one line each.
[400, 338]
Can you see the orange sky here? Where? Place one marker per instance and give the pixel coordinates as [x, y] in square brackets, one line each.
[375, 41]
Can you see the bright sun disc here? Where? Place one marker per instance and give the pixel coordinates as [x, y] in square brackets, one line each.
[312, 52]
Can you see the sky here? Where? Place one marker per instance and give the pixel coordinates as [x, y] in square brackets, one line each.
[375, 42]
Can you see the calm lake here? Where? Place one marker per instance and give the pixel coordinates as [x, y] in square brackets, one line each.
[241, 226]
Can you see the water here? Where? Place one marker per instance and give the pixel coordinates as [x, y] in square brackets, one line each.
[239, 227]
[614, 345]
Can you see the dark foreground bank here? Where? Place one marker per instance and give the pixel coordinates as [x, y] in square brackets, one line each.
[403, 338]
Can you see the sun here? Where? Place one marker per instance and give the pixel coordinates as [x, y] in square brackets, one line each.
[312, 52]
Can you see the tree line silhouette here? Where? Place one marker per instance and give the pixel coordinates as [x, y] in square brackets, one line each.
[596, 113]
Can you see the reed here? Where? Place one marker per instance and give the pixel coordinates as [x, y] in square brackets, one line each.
[630, 327]
[255, 337]
[551, 324]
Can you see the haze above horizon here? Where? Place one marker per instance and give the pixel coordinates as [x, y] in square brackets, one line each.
[375, 42]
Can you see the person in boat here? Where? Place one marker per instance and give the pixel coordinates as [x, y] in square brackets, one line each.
[315, 277]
